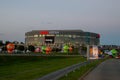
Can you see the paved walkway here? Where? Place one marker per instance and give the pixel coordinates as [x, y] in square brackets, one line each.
[108, 70]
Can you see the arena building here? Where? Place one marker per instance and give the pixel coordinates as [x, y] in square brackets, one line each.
[59, 37]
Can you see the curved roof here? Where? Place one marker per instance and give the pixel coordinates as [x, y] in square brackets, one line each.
[72, 32]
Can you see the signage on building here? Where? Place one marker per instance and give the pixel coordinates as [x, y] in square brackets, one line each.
[45, 32]
[53, 32]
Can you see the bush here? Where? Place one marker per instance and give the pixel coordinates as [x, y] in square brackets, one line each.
[31, 48]
[21, 48]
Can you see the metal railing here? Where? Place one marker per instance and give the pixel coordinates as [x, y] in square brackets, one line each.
[57, 74]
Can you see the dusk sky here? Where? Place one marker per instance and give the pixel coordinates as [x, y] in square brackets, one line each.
[99, 16]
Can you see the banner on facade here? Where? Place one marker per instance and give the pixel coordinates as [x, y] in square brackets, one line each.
[92, 52]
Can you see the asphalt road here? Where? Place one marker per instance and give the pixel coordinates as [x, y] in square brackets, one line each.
[108, 70]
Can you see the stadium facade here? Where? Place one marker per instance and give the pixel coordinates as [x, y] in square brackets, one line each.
[59, 37]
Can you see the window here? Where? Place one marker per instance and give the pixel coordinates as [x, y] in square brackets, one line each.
[57, 35]
[74, 36]
[65, 35]
[70, 36]
[61, 35]
[40, 35]
[35, 39]
[35, 35]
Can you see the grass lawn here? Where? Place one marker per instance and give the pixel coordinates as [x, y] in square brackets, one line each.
[77, 74]
[32, 67]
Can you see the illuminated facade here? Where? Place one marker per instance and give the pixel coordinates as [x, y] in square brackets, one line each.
[41, 37]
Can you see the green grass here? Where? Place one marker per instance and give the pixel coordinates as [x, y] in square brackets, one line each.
[77, 74]
[30, 68]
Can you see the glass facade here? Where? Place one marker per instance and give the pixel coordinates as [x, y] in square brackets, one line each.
[38, 37]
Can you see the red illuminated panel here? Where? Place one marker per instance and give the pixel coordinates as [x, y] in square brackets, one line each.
[44, 32]
[98, 35]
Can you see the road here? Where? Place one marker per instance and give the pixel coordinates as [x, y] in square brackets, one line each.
[108, 70]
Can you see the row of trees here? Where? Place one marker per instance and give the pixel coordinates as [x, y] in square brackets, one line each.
[7, 42]
[18, 46]
[21, 47]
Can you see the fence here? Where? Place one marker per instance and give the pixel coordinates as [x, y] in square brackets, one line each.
[57, 74]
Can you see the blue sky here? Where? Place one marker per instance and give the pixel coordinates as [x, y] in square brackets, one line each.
[99, 16]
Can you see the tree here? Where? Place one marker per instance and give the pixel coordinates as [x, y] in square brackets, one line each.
[31, 48]
[4, 48]
[21, 42]
[16, 42]
[20, 47]
[1, 43]
[7, 42]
